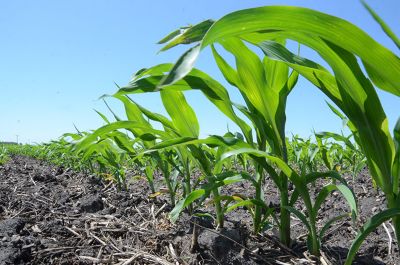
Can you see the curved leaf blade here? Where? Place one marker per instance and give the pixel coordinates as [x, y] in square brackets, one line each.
[367, 228]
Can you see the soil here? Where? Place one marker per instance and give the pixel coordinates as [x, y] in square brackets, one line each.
[52, 215]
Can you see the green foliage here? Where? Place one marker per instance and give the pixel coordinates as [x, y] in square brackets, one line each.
[171, 146]
[3, 155]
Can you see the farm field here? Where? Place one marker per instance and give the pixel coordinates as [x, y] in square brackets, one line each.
[50, 214]
[147, 186]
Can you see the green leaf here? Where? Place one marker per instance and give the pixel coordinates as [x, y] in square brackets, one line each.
[305, 25]
[367, 228]
[261, 85]
[100, 132]
[329, 223]
[113, 113]
[337, 137]
[102, 116]
[326, 190]
[186, 35]
[299, 215]
[357, 98]
[182, 115]
[248, 202]
[240, 176]
[326, 158]
[213, 140]
[314, 72]
[227, 71]
[313, 176]
[284, 167]
[196, 79]
[182, 204]
[345, 120]
[182, 67]
[171, 36]
[123, 141]
[338, 42]
[383, 25]
[135, 112]
[396, 162]
[361, 104]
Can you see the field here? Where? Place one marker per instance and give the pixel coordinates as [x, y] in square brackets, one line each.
[146, 188]
[52, 214]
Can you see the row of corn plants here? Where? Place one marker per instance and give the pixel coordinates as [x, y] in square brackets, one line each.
[265, 87]
[171, 144]
[4, 154]
[106, 161]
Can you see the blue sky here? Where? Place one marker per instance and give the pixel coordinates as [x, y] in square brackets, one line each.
[58, 57]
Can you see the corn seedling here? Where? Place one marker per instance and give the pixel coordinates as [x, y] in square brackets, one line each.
[3, 155]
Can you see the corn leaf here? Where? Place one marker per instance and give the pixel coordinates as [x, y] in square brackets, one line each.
[186, 35]
[308, 24]
[329, 223]
[396, 163]
[182, 204]
[282, 165]
[383, 25]
[314, 176]
[182, 67]
[181, 113]
[247, 203]
[326, 190]
[367, 228]
[128, 125]
[196, 79]
[257, 92]
[299, 215]
[357, 98]
[382, 65]
[336, 137]
[102, 116]
[345, 120]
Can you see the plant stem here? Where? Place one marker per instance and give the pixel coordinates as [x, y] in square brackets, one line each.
[315, 247]
[195, 236]
[188, 187]
[284, 193]
[285, 214]
[258, 209]
[218, 208]
[392, 203]
[171, 190]
[396, 225]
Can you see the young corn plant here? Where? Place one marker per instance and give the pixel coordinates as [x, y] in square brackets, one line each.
[304, 154]
[338, 42]
[108, 145]
[183, 124]
[265, 93]
[331, 154]
[255, 204]
[3, 155]
[301, 190]
[349, 157]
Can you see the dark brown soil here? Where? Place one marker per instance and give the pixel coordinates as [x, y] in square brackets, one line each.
[51, 215]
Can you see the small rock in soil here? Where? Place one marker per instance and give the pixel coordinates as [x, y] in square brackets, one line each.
[91, 204]
[10, 227]
[220, 244]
